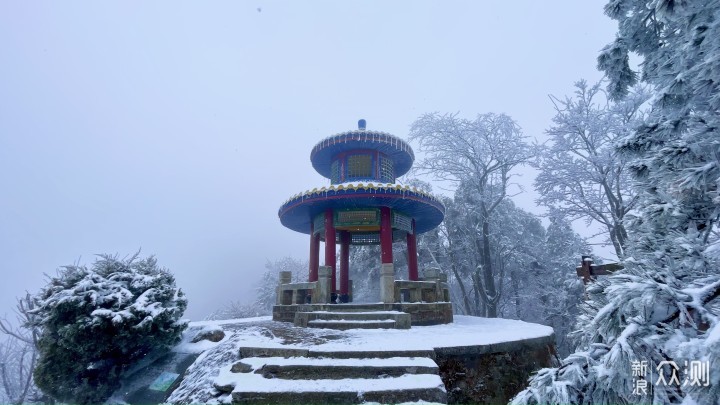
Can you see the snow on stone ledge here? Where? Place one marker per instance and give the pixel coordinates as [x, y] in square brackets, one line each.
[464, 331]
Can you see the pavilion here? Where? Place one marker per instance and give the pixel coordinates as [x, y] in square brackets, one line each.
[363, 204]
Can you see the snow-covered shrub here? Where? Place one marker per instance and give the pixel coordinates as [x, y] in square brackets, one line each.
[96, 321]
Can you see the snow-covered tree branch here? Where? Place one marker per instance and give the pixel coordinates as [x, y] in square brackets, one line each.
[18, 356]
[478, 155]
[581, 175]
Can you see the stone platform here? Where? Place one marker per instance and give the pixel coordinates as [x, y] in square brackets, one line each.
[365, 316]
[472, 360]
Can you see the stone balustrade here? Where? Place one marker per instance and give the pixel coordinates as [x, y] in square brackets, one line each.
[313, 292]
[431, 288]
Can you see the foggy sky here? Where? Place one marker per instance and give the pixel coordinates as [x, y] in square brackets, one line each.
[179, 128]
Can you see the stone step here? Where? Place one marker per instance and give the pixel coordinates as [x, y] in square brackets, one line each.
[402, 320]
[345, 325]
[303, 368]
[337, 354]
[360, 307]
[370, 354]
[405, 388]
[357, 315]
[272, 352]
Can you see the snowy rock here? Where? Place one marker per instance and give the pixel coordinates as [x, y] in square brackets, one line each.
[241, 367]
[227, 387]
[213, 335]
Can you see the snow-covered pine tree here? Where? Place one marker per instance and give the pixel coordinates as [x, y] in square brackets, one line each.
[96, 321]
[561, 291]
[664, 306]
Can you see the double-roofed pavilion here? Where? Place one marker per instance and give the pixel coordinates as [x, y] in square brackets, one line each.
[363, 204]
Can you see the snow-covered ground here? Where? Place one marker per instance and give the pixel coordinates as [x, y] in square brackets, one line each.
[214, 363]
[464, 331]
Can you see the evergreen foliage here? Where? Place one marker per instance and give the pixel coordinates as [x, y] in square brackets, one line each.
[559, 290]
[96, 321]
[664, 306]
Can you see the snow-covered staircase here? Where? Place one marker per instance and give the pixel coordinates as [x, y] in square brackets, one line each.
[331, 377]
[353, 317]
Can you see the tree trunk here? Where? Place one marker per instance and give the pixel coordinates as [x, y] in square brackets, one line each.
[479, 308]
[618, 237]
[453, 266]
[488, 277]
[516, 293]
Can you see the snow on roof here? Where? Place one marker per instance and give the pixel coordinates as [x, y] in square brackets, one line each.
[364, 135]
[359, 185]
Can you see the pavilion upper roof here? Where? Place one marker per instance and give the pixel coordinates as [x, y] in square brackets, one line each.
[324, 152]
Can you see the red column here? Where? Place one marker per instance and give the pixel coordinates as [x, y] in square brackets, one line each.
[385, 235]
[330, 256]
[344, 265]
[412, 254]
[314, 254]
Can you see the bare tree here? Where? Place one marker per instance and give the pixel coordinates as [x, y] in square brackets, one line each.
[18, 355]
[580, 175]
[480, 154]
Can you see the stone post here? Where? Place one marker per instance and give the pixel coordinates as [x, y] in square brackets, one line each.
[444, 293]
[431, 274]
[314, 261]
[284, 278]
[387, 283]
[322, 291]
[415, 294]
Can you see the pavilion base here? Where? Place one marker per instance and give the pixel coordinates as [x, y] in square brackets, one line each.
[421, 313]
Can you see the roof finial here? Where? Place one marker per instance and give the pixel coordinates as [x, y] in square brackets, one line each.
[362, 124]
